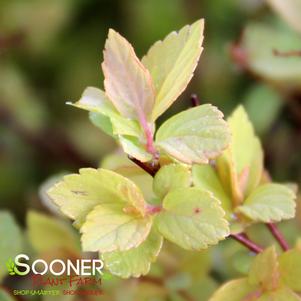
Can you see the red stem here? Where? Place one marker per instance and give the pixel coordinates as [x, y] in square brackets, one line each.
[153, 209]
[150, 143]
[252, 246]
[150, 147]
[278, 236]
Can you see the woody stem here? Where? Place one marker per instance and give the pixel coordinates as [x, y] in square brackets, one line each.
[252, 246]
[150, 167]
[278, 236]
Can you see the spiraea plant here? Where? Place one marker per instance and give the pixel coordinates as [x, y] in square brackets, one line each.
[203, 177]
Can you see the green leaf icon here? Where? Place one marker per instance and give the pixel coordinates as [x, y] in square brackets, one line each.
[10, 266]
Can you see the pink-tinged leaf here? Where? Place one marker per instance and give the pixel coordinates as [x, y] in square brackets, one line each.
[172, 62]
[128, 83]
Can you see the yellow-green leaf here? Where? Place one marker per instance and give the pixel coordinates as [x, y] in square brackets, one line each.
[114, 227]
[236, 290]
[170, 177]
[195, 135]
[59, 234]
[134, 148]
[128, 84]
[281, 294]
[136, 261]
[259, 42]
[270, 203]
[264, 270]
[289, 10]
[227, 175]
[102, 122]
[290, 269]
[121, 164]
[206, 177]
[95, 100]
[244, 157]
[172, 62]
[79, 193]
[192, 218]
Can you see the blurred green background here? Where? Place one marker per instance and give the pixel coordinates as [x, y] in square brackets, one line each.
[51, 50]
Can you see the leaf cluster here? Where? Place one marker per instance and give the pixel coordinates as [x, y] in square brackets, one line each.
[211, 180]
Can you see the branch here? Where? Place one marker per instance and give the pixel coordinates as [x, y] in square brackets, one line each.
[278, 236]
[150, 167]
[195, 101]
[252, 246]
[290, 53]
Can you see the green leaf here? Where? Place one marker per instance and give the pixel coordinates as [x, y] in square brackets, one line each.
[236, 290]
[59, 234]
[195, 135]
[270, 203]
[114, 227]
[259, 42]
[128, 83]
[10, 264]
[79, 193]
[192, 218]
[264, 270]
[170, 177]
[136, 261]
[172, 62]
[206, 177]
[281, 294]
[95, 101]
[102, 122]
[290, 269]
[289, 10]
[227, 175]
[121, 164]
[11, 242]
[133, 147]
[244, 157]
